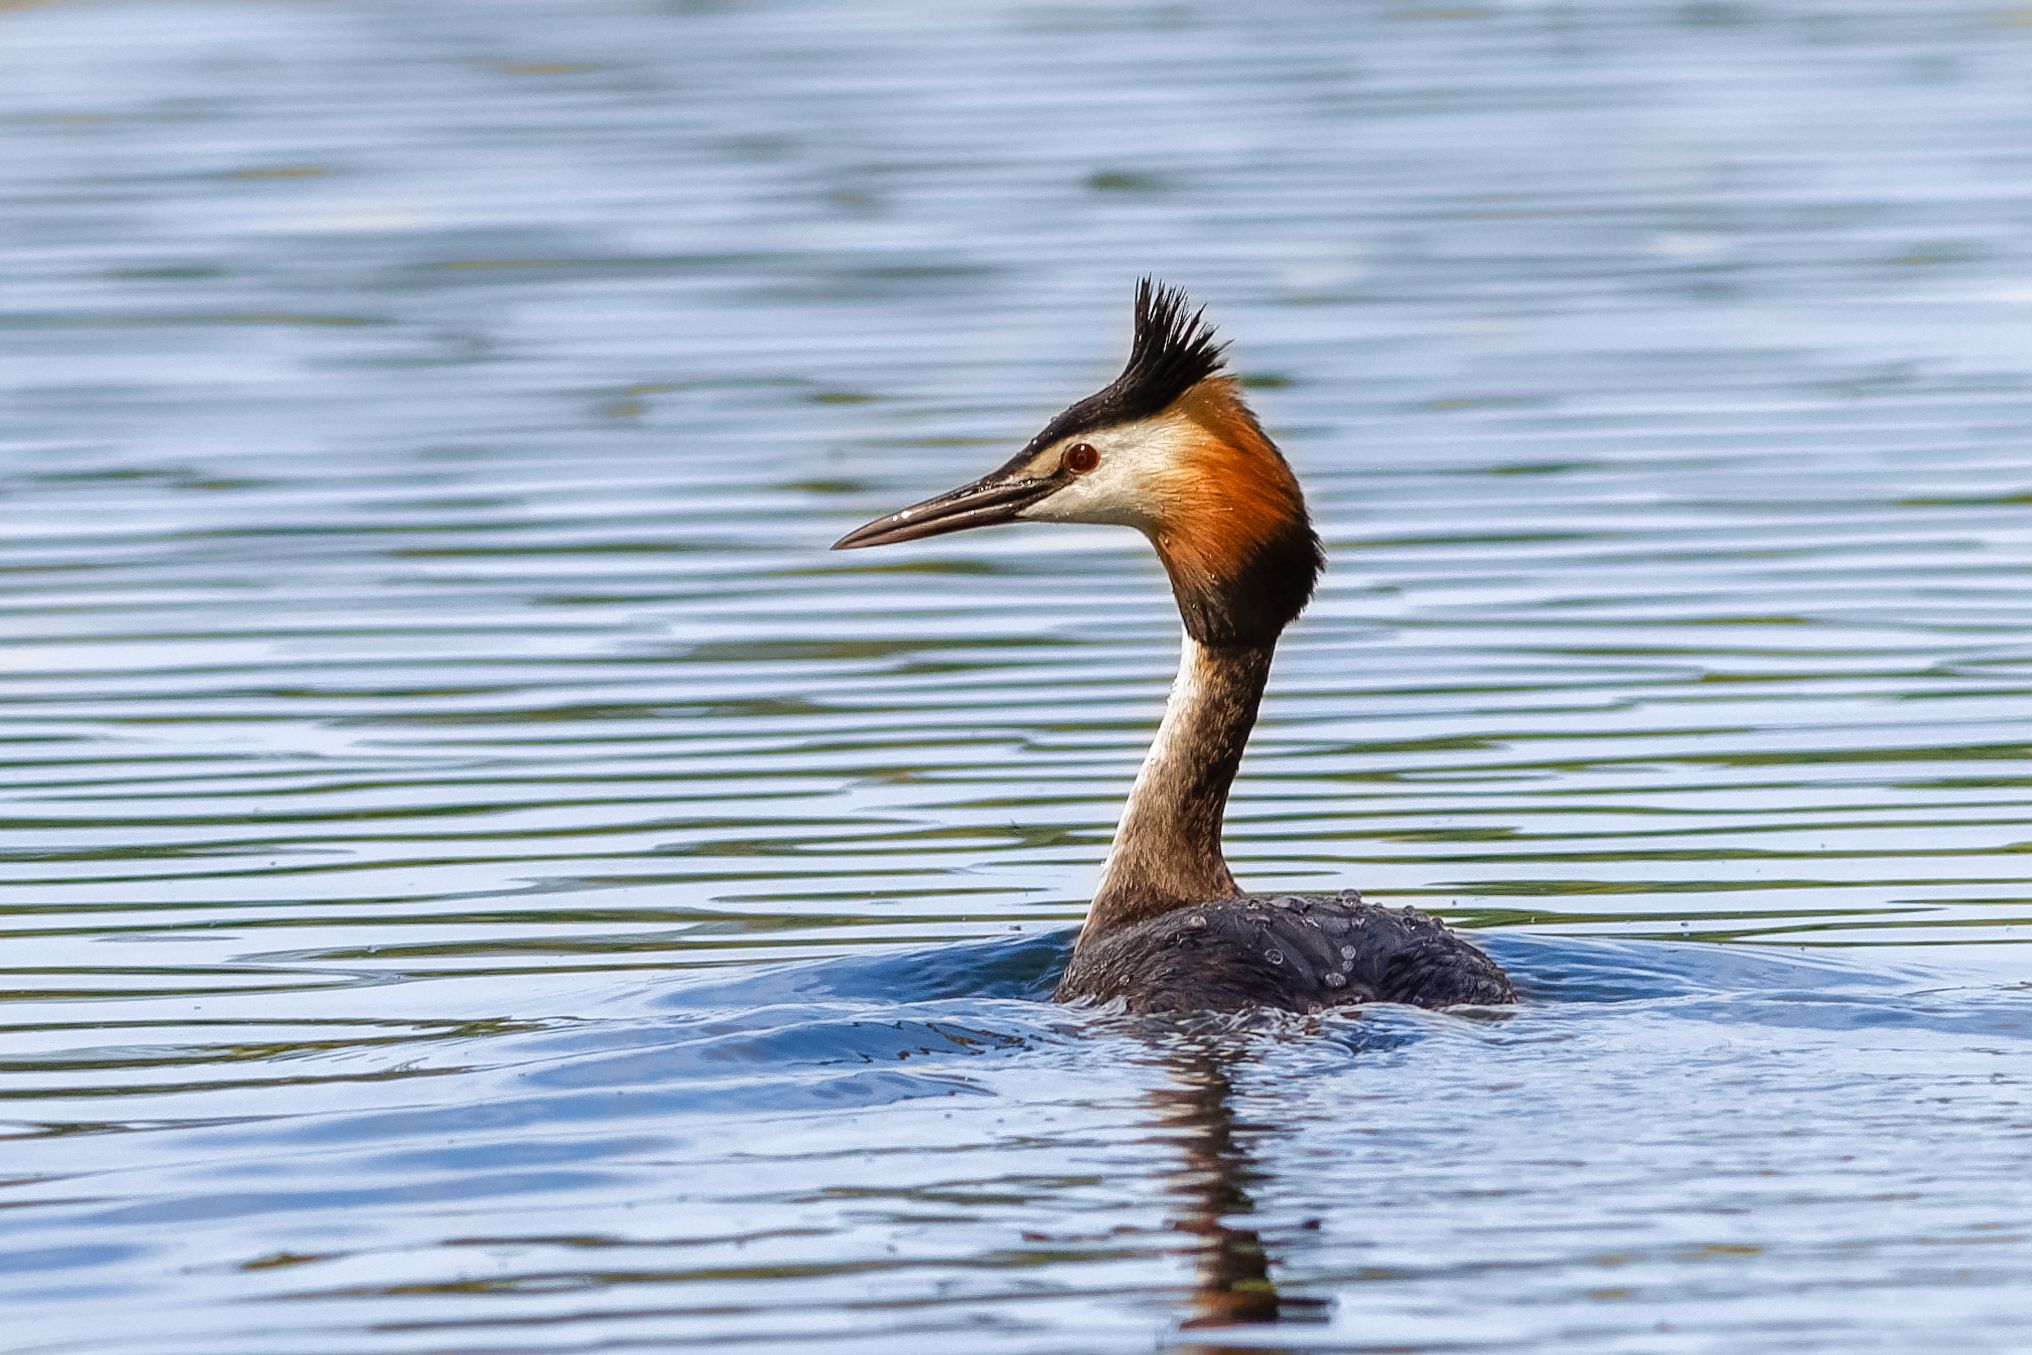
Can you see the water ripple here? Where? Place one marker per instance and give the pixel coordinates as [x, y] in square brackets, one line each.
[475, 874]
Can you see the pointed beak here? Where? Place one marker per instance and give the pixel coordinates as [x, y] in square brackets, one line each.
[985, 502]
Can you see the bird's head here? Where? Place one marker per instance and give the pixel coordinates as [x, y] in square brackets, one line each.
[1170, 449]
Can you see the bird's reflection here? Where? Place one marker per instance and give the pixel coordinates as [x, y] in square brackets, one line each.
[1235, 1284]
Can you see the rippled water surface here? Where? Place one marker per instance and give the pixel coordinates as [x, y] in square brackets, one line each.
[477, 876]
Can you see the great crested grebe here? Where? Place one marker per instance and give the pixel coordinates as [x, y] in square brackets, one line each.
[1171, 449]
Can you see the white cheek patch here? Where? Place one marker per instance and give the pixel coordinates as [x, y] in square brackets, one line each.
[1135, 458]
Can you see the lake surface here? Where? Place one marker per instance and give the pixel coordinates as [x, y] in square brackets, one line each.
[477, 875]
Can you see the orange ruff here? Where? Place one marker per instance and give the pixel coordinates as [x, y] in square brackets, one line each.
[1231, 496]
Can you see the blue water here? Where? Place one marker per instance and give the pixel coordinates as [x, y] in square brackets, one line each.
[478, 876]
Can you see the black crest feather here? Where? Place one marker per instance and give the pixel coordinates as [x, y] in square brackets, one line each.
[1173, 351]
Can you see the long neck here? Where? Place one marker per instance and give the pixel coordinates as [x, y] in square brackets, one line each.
[1168, 848]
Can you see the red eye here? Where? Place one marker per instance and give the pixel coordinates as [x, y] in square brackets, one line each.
[1081, 458]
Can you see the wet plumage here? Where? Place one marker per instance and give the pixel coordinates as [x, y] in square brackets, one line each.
[1300, 952]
